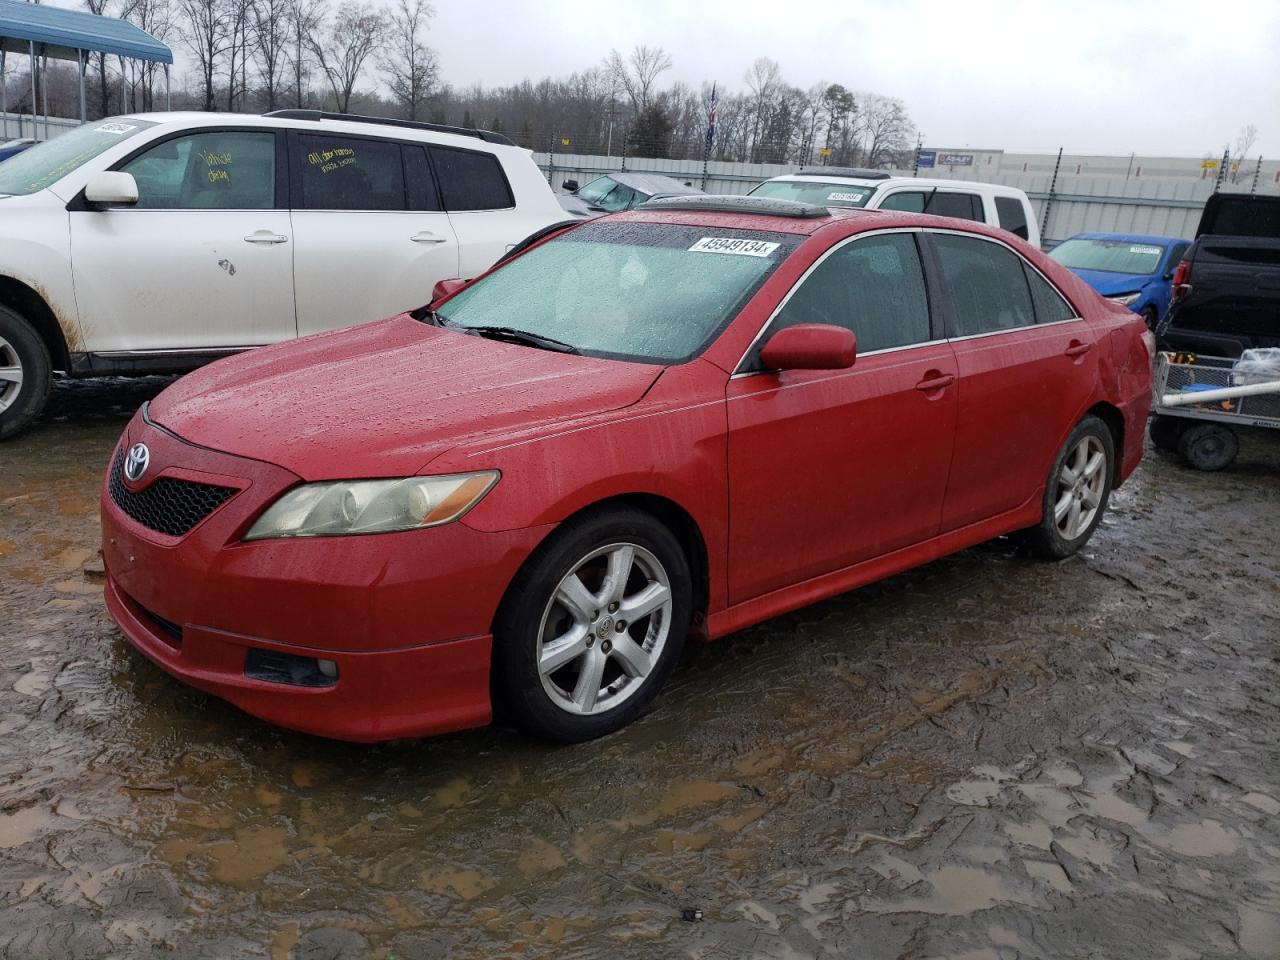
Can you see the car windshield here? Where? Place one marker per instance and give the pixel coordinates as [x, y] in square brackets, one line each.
[608, 194]
[652, 292]
[1110, 256]
[810, 191]
[39, 166]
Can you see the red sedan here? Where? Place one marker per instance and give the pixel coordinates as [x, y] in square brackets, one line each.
[676, 421]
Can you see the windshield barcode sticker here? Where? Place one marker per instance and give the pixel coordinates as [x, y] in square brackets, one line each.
[847, 197]
[1152, 250]
[743, 248]
[115, 128]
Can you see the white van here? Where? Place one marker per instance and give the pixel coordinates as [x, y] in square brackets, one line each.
[155, 243]
[991, 203]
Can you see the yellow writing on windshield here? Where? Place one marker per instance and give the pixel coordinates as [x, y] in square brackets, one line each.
[332, 159]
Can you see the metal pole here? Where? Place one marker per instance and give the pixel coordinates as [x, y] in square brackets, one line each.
[81, 60]
[123, 105]
[1053, 184]
[4, 98]
[32, 48]
[44, 93]
[915, 169]
[1222, 169]
[1256, 170]
[168, 97]
[551, 161]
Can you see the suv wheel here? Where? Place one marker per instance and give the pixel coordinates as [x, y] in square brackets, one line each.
[26, 373]
[592, 626]
[1076, 492]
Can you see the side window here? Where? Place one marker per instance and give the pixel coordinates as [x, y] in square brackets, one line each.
[1012, 215]
[962, 206]
[909, 201]
[470, 180]
[985, 283]
[419, 179]
[346, 173]
[208, 171]
[873, 286]
[1049, 303]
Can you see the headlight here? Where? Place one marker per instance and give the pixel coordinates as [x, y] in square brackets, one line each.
[1126, 299]
[343, 507]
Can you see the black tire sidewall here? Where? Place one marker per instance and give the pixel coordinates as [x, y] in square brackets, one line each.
[1189, 445]
[517, 686]
[37, 372]
[1047, 540]
[1165, 431]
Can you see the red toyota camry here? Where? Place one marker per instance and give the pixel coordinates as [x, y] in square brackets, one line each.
[676, 421]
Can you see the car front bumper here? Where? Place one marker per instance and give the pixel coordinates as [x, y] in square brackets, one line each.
[406, 617]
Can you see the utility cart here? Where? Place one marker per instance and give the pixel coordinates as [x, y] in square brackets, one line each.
[1201, 402]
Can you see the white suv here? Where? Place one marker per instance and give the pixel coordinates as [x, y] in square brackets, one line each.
[992, 203]
[159, 242]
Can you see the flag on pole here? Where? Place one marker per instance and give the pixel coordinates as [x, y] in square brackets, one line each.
[711, 120]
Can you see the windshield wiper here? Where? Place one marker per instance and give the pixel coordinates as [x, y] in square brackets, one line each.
[514, 335]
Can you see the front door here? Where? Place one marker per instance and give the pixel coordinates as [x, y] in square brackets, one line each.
[203, 261]
[828, 468]
[371, 239]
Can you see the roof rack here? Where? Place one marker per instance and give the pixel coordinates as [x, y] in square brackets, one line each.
[486, 135]
[758, 206]
[843, 172]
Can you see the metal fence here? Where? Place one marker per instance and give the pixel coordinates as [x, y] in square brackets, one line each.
[16, 125]
[1076, 203]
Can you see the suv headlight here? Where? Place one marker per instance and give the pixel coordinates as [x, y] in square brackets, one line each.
[343, 507]
[1126, 299]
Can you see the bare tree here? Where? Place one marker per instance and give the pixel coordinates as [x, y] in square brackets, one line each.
[409, 64]
[100, 7]
[346, 46]
[638, 73]
[306, 17]
[270, 27]
[1245, 140]
[236, 18]
[763, 80]
[155, 18]
[887, 130]
[207, 37]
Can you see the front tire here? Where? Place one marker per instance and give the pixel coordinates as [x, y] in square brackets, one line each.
[592, 626]
[1076, 492]
[26, 373]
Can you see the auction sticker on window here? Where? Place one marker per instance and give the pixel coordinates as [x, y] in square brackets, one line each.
[743, 248]
[114, 128]
[847, 197]
[1155, 251]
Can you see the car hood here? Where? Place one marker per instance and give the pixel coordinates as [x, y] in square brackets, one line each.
[385, 399]
[1109, 284]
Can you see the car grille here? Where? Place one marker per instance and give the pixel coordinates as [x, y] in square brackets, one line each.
[168, 506]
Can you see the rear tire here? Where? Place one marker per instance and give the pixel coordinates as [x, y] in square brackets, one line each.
[1076, 491]
[592, 626]
[26, 373]
[1209, 446]
[1166, 431]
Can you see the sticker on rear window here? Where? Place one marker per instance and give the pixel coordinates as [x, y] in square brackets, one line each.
[1152, 250]
[743, 248]
[115, 128]
[847, 197]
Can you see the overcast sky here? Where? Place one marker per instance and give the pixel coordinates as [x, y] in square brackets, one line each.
[1175, 77]
[1170, 77]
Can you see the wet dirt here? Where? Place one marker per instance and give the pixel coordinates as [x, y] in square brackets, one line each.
[989, 757]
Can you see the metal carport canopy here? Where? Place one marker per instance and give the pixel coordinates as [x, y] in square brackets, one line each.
[64, 34]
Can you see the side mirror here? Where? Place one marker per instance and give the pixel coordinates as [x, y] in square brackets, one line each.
[810, 346]
[570, 185]
[445, 289]
[111, 188]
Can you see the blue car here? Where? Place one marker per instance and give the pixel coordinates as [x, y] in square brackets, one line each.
[12, 148]
[1130, 269]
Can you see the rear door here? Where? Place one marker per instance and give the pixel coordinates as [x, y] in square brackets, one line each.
[1027, 366]
[827, 468]
[371, 239]
[203, 261]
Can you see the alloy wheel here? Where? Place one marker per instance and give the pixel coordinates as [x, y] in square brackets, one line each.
[10, 375]
[604, 629]
[1081, 482]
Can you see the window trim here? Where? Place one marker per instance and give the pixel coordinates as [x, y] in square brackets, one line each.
[936, 329]
[950, 324]
[502, 172]
[79, 204]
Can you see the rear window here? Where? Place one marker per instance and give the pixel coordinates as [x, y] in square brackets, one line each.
[470, 180]
[962, 206]
[1237, 216]
[824, 194]
[1109, 256]
[1012, 215]
[347, 173]
[986, 284]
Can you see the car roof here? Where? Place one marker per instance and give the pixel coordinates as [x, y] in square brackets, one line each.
[847, 220]
[1129, 238]
[873, 183]
[652, 183]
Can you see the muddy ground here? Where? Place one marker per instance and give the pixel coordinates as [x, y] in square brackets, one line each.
[989, 757]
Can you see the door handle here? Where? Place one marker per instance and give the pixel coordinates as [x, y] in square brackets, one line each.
[426, 236]
[936, 381]
[266, 236]
[1077, 349]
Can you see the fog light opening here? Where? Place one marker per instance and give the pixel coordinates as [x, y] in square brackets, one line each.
[287, 668]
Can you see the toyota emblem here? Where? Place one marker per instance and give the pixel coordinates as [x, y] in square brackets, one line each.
[135, 464]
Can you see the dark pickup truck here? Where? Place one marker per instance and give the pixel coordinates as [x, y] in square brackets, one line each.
[1226, 290]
